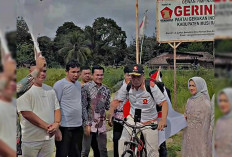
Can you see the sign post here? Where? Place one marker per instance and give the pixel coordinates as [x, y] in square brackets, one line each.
[137, 32]
[184, 21]
[175, 46]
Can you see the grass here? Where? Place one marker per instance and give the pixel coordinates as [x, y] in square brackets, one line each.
[113, 75]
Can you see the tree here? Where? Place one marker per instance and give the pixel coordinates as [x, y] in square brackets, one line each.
[66, 28]
[109, 43]
[75, 47]
[46, 46]
[150, 50]
[24, 44]
[12, 43]
[223, 46]
[196, 47]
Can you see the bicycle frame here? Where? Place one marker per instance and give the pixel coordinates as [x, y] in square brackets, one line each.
[135, 141]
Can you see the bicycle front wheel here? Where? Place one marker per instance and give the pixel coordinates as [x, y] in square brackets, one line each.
[128, 153]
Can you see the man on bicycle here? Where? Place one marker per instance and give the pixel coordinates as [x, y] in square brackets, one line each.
[140, 98]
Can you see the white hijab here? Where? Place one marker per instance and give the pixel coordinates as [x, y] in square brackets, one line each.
[228, 93]
[201, 87]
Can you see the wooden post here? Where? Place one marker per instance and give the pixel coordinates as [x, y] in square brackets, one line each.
[137, 32]
[175, 46]
[140, 59]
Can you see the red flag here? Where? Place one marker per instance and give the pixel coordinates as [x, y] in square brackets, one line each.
[126, 109]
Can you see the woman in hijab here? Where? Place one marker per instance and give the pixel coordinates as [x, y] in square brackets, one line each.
[223, 134]
[196, 140]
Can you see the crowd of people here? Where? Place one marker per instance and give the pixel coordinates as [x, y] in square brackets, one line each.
[71, 117]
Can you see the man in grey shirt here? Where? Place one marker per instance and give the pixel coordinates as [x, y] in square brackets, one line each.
[68, 91]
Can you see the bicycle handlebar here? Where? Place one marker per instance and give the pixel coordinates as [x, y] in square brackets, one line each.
[153, 126]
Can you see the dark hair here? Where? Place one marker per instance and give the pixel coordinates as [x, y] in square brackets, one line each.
[153, 71]
[85, 68]
[98, 67]
[126, 69]
[72, 64]
[33, 63]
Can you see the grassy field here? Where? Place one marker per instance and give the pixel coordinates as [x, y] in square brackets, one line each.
[113, 75]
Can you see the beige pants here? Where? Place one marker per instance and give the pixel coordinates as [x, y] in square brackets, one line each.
[150, 136]
[38, 149]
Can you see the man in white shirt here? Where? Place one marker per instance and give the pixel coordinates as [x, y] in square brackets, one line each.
[40, 118]
[140, 98]
[8, 110]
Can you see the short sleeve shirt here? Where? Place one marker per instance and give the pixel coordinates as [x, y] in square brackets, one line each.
[8, 119]
[42, 101]
[69, 96]
[141, 99]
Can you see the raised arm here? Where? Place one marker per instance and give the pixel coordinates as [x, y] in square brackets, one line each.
[25, 84]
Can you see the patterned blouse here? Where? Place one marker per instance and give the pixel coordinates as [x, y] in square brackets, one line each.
[95, 102]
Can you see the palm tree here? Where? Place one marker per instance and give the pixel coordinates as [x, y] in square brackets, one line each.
[75, 47]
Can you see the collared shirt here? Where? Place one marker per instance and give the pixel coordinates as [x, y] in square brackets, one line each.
[142, 99]
[95, 101]
[119, 111]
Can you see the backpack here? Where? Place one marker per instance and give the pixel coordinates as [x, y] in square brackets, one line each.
[148, 87]
[126, 108]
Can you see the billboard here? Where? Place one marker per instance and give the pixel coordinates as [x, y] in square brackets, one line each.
[185, 20]
[223, 19]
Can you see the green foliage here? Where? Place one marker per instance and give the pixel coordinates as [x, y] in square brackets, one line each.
[25, 53]
[66, 28]
[102, 43]
[109, 42]
[223, 46]
[75, 47]
[11, 41]
[174, 145]
[46, 46]
[196, 47]
[24, 44]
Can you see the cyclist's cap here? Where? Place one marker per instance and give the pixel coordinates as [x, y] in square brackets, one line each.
[136, 69]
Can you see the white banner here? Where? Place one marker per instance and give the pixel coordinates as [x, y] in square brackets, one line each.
[175, 122]
[185, 20]
[223, 19]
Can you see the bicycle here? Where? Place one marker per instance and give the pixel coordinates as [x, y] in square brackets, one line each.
[135, 147]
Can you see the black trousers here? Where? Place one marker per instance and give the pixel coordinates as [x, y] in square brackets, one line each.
[71, 144]
[94, 145]
[117, 133]
[163, 150]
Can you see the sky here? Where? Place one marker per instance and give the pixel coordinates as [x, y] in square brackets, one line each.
[47, 15]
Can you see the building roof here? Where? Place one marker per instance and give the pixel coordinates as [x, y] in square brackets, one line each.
[162, 59]
[223, 58]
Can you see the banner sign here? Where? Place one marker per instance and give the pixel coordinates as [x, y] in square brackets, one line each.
[223, 19]
[185, 20]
